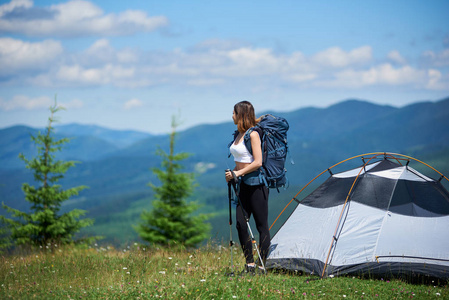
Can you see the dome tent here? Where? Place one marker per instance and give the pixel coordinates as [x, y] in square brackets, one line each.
[383, 218]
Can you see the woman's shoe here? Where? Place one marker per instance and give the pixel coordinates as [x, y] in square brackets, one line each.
[249, 270]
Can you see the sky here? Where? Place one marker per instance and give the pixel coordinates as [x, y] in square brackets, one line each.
[136, 64]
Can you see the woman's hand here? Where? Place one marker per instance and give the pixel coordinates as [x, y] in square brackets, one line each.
[228, 176]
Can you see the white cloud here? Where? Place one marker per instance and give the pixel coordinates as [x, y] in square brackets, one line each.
[47, 64]
[101, 51]
[104, 75]
[440, 59]
[396, 57]
[254, 59]
[17, 55]
[14, 4]
[74, 18]
[437, 81]
[133, 103]
[338, 58]
[100, 46]
[205, 82]
[385, 74]
[21, 102]
[73, 104]
[301, 77]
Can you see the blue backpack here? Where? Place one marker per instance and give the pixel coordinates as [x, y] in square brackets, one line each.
[273, 134]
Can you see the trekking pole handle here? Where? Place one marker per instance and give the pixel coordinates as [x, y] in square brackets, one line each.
[233, 174]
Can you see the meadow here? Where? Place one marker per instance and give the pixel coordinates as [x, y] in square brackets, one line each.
[139, 272]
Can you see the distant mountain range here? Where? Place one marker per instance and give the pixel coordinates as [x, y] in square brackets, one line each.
[88, 142]
[116, 165]
[118, 138]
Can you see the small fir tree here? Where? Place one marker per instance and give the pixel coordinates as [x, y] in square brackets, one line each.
[44, 224]
[171, 220]
[5, 238]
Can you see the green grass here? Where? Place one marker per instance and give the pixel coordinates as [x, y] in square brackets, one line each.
[137, 272]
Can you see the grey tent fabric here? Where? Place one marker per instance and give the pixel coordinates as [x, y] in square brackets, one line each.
[395, 223]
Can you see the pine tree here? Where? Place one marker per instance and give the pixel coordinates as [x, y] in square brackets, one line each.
[5, 238]
[44, 224]
[171, 221]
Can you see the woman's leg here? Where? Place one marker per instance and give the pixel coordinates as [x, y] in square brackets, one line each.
[242, 228]
[259, 206]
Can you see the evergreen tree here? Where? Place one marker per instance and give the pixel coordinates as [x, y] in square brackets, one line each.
[5, 238]
[44, 224]
[171, 220]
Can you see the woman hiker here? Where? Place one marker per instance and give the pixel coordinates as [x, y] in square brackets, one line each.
[253, 193]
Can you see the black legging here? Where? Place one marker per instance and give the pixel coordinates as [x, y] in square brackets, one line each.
[254, 200]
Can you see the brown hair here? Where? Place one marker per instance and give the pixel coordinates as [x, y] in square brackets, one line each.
[245, 116]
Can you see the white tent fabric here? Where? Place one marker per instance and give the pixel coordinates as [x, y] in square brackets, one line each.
[395, 223]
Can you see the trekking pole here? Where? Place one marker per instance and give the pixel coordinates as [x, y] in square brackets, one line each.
[231, 242]
[253, 240]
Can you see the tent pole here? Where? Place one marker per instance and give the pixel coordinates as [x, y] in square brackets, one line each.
[334, 237]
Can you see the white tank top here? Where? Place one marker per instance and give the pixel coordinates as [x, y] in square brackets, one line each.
[240, 153]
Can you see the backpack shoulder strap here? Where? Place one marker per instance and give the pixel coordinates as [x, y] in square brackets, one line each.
[247, 138]
[235, 134]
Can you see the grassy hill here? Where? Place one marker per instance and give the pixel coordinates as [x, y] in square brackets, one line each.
[143, 273]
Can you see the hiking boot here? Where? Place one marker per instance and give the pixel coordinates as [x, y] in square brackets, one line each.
[261, 271]
[248, 271]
